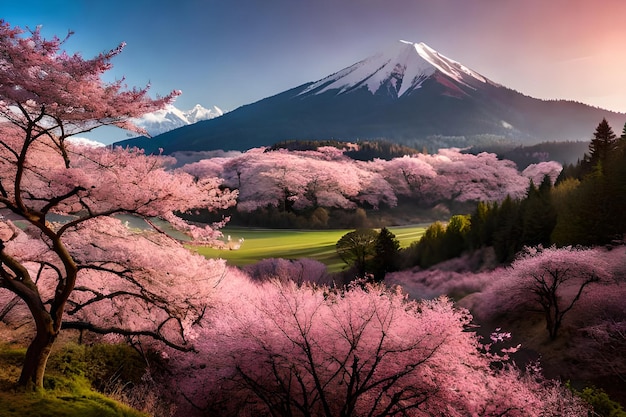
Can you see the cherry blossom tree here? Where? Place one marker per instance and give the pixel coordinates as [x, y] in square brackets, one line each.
[301, 271]
[287, 350]
[553, 280]
[130, 282]
[407, 175]
[46, 96]
[374, 189]
[297, 180]
[536, 172]
[466, 177]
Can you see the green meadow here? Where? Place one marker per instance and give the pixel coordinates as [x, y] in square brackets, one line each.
[294, 244]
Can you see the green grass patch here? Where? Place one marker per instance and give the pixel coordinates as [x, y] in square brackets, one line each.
[294, 244]
[67, 391]
[73, 398]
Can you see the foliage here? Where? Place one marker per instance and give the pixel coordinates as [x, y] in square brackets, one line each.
[440, 242]
[538, 214]
[301, 181]
[427, 251]
[283, 349]
[357, 249]
[455, 236]
[508, 226]
[370, 150]
[301, 271]
[592, 335]
[551, 280]
[386, 250]
[565, 152]
[594, 209]
[307, 145]
[89, 262]
[362, 150]
[319, 218]
[602, 404]
[586, 211]
[602, 145]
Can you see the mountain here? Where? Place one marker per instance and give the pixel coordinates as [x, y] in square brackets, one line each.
[409, 94]
[399, 71]
[171, 117]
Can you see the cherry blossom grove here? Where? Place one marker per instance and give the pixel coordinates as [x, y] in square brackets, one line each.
[301, 179]
[277, 348]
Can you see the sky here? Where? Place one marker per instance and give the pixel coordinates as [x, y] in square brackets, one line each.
[230, 53]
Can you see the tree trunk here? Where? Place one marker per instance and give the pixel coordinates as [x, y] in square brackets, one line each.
[550, 324]
[38, 351]
[47, 323]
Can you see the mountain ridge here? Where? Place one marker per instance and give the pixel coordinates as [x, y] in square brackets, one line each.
[171, 117]
[409, 94]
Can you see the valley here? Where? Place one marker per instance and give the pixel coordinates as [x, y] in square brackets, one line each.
[319, 245]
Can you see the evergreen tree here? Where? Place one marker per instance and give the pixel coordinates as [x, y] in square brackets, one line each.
[568, 229]
[454, 240]
[575, 171]
[507, 236]
[428, 250]
[602, 145]
[591, 211]
[616, 187]
[538, 215]
[386, 256]
[482, 225]
[621, 144]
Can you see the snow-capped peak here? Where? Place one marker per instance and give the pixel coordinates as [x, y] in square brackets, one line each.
[400, 69]
[444, 64]
[170, 118]
[200, 113]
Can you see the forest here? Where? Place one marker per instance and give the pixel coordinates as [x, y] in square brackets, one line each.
[510, 306]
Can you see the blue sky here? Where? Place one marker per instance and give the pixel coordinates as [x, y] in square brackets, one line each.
[234, 52]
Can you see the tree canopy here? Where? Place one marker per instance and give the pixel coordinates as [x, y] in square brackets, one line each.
[357, 248]
[69, 264]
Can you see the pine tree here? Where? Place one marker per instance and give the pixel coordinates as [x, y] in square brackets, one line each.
[602, 145]
[538, 214]
[386, 257]
[507, 236]
[482, 225]
[621, 144]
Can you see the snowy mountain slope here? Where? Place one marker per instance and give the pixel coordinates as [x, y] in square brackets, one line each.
[399, 70]
[200, 113]
[409, 93]
[171, 118]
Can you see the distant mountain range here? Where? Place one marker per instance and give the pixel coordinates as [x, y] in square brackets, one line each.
[171, 118]
[409, 94]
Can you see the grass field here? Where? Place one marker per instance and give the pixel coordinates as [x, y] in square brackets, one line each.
[293, 244]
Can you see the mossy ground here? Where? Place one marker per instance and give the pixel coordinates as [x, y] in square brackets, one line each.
[67, 393]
